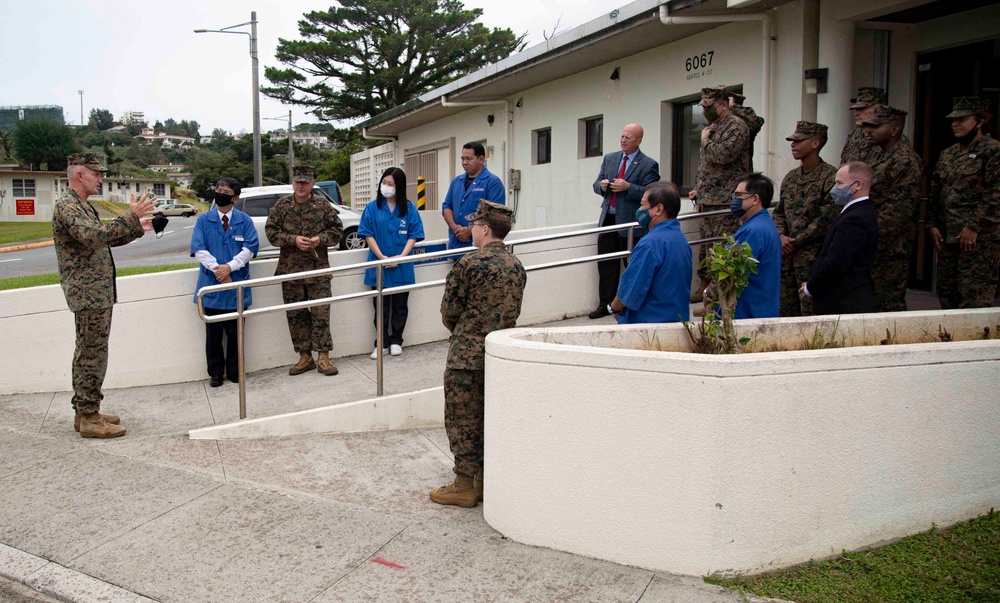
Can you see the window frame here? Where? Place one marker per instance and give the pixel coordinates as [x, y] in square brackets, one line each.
[24, 187]
[537, 136]
[591, 146]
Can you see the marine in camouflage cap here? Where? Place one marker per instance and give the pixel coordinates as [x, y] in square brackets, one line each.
[88, 160]
[492, 211]
[304, 173]
[963, 106]
[714, 95]
[807, 129]
[868, 97]
[884, 114]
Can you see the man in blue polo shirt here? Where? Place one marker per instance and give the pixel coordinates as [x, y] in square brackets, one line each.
[656, 285]
[223, 241]
[465, 192]
[762, 296]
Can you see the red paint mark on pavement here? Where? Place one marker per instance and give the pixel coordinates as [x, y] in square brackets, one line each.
[387, 563]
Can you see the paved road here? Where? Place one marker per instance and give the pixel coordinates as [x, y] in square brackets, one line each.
[172, 248]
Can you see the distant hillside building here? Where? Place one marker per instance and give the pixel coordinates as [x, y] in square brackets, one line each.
[133, 117]
[168, 140]
[11, 115]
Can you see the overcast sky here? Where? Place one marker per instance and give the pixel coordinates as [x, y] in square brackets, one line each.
[143, 56]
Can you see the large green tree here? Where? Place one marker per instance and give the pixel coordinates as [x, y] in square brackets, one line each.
[43, 141]
[101, 119]
[364, 57]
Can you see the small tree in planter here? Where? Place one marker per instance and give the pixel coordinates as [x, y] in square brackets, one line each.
[729, 267]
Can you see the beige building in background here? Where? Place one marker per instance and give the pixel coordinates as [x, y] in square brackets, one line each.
[30, 196]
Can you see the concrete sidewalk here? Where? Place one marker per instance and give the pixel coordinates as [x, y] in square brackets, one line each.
[155, 516]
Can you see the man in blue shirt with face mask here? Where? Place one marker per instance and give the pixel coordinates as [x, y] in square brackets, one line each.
[656, 285]
[762, 296]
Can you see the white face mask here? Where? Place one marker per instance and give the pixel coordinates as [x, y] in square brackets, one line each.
[388, 191]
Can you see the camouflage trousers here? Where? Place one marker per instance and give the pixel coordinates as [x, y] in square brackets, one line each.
[968, 279]
[309, 328]
[889, 273]
[463, 418]
[793, 274]
[714, 226]
[90, 360]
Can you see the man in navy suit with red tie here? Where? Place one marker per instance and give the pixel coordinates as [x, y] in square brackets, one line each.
[621, 182]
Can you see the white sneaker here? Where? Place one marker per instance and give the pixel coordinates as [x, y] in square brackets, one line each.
[396, 350]
[375, 353]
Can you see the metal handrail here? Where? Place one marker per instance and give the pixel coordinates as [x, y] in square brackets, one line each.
[240, 313]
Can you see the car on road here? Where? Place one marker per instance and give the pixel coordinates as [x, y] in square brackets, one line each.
[175, 209]
[257, 201]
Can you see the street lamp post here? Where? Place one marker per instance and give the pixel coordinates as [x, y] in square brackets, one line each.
[291, 149]
[257, 170]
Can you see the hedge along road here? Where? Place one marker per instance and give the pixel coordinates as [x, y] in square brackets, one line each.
[172, 248]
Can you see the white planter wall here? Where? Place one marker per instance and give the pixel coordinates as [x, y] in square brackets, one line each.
[697, 464]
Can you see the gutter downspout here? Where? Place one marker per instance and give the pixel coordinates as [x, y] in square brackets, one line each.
[765, 101]
[508, 151]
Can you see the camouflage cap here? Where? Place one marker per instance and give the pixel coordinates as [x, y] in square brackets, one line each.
[493, 211]
[737, 98]
[968, 105]
[304, 173]
[884, 114]
[88, 160]
[714, 94]
[868, 97]
[807, 129]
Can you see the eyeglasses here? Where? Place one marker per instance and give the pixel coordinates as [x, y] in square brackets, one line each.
[741, 194]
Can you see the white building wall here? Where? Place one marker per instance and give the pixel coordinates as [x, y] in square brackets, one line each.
[46, 188]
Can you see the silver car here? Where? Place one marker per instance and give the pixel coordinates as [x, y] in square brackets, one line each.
[257, 201]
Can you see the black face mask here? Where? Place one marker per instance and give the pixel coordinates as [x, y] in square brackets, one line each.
[968, 138]
[223, 199]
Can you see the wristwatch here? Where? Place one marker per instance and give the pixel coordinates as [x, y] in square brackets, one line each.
[612, 310]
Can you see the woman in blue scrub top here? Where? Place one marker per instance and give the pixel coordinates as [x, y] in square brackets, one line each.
[392, 226]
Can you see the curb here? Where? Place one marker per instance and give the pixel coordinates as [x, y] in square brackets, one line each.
[60, 582]
[23, 246]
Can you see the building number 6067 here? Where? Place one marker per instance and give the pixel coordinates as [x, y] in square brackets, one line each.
[699, 61]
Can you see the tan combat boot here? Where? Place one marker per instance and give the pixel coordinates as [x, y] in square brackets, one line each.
[324, 365]
[477, 482]
[461, 493]
[94, 426]
[304, 364]
[113, 419]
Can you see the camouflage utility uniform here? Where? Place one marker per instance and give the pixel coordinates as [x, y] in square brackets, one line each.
[804, 213]
[723, 162]
[965, 192]
[895, 191]
[754, 124]
[857, 148]
[87, 275]
[482, 294]
[309, 328]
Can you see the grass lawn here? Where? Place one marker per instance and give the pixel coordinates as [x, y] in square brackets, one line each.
[960, 564]
[14, 232]
[20, 282]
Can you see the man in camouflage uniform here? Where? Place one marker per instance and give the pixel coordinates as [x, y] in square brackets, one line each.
[722, 164]
[896, 194]
[482, 294]
[303, 225]
[857, 147]
[963, 210]
[804, 213]
[753, 121]
[87, 275]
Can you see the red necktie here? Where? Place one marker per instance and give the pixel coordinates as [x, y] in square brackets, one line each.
[225, 223]
[621, 174]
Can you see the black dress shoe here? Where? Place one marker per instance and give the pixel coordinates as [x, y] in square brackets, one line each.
[234, 378]
[600, 312]
[216, 381]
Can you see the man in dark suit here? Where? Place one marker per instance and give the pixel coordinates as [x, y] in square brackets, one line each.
[621, 182]
[840, 281]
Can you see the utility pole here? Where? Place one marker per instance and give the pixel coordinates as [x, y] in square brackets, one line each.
[81, 107]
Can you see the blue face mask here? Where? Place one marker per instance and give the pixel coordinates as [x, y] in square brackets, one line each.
[642, 216]
[736, 207]
[841, 195]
